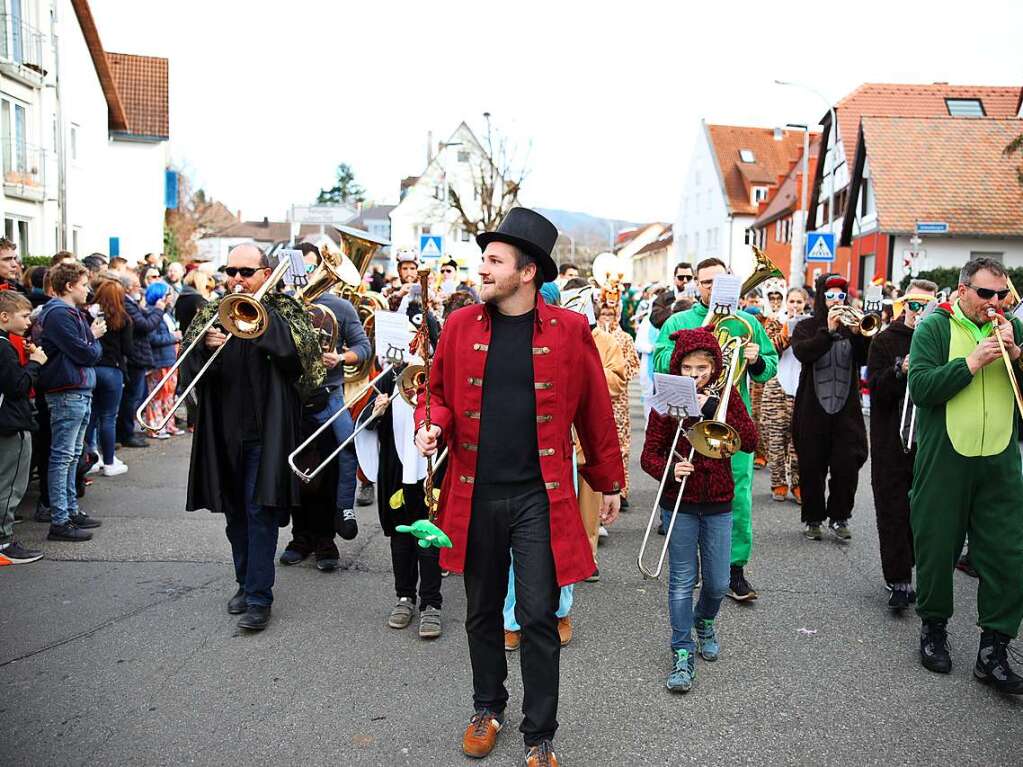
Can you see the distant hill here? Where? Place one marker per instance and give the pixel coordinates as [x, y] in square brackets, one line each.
[586, 230]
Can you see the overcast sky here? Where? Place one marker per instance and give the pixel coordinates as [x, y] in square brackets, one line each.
[268, 97]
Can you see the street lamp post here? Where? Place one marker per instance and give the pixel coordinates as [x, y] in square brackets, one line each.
[834, 143]
[797, 267]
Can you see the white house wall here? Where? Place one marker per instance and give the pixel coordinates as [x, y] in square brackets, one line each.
[954, 252]
[703, 226]
[135, 204]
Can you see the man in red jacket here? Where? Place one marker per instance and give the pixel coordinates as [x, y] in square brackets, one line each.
[510, 379]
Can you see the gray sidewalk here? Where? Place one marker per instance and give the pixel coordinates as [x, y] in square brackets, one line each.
[120, 651]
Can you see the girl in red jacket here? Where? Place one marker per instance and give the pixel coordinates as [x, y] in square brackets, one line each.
[703, 529]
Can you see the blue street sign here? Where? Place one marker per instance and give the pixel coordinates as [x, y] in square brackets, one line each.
[931, 227]
[431, 246]
[820, 246]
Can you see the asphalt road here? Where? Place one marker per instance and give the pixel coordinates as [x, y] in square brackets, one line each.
[120, 651]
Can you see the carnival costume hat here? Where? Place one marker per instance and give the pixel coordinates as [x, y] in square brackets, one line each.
[531, 233]
[774, 285]
[407, 256]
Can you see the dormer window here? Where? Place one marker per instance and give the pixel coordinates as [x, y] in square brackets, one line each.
[746, 155]
[759, 194]
[965, 107]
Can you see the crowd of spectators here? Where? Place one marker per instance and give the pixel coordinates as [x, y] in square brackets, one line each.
[82, 345]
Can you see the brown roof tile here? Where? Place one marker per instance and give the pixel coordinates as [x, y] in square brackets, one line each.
[142, 84]
[945, 169]
[772, 158]
[115, 109]
[901, 100]
[786, 198]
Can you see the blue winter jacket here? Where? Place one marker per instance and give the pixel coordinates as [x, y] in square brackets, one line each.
[71, 350]
[162, 342]
[144, 322]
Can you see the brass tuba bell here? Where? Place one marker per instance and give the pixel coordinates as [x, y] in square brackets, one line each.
[411, 378]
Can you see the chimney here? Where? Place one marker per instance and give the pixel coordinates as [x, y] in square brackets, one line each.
[779, 134]
[266, 221]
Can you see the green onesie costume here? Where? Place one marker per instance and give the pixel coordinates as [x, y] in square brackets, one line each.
[742, 463]
[967, 476]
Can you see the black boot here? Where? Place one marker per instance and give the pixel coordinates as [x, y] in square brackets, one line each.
[993, 664]
[256, 618]
[237, 605]
[934, 649]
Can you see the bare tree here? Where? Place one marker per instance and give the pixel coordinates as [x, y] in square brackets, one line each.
[496, 179]
[1015, 146]
[196, 215]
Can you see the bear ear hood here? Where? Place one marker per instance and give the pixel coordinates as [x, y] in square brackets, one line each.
[687, 341]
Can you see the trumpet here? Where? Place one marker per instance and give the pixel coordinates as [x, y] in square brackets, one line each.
[868, 322]
[243, 316]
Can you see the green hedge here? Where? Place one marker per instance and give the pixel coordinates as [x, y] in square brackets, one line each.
[948, 277]
[28, 261]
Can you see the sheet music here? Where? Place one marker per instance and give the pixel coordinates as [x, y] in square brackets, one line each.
[675, 393]
[873, 299]
[392, 335]
[296, 275]
[724, 295]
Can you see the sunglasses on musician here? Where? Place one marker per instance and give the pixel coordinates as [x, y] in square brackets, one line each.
[835, 295]
[987, 293]
[244, 271]
[915, 306]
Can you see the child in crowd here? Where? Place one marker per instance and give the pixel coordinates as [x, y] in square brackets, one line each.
[16, 423]
[702, 536]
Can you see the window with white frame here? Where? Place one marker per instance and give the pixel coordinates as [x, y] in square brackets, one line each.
[746, 155]
[759, 194]
[965, 107]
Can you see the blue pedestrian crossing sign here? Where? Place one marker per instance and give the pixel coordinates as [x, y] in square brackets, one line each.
[431, 246]
[820, 246]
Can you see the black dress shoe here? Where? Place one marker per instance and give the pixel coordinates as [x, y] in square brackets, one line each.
[135, 440]
[237, 604]
[256, 618]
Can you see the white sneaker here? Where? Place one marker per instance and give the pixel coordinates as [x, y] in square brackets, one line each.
[96, 468]
[115, 469]
[602, 532]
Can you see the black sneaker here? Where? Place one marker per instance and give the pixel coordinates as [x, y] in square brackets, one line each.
[83, 521]
[812, 531]
[739, 588]
[993, 663]
[661, 530]
[327, 557]
[840, 529]
[237, 604]
[296, 551]
[13, 553]
[345, 523]
[135, 440]
[901, 598]
[935, 653]
[595, 577]
[42, 513]
[965, 566]
[366, 496]
[68, 532]
[625, 504]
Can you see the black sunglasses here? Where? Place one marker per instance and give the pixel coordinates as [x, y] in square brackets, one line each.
[683, 277]
[244, 271]
[915, 306]
[988, 293]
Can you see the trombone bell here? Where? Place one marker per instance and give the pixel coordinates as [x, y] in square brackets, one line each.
[243, 316]
[714, 439]
[411, 378]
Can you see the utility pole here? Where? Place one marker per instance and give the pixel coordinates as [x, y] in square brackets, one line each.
[797, 269]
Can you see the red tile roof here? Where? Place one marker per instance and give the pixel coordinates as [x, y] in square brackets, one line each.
[115, 110]
[772, 158]
[786, 198]
[142, 84]
[945, 169]
[896, 100]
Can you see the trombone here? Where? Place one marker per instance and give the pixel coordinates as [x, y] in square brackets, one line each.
[240, 314]
[994, 316]
[713, 438]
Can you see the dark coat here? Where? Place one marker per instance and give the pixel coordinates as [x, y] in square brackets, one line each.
[811, 426]
[144, 321]
[887, 385]
[71, 350]
[249, 379]
[117, 345]
[188, 304]
[15, 384]
[162, 343]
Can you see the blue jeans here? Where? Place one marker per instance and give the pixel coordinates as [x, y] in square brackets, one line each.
[347, 462]
[134, 393]
[253, 537]
[564, 602]
[69, 419]
[105, 404]
[712, 535]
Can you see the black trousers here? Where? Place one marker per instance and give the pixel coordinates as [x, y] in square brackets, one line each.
[520, 524]
[894, 534]
[413, 565]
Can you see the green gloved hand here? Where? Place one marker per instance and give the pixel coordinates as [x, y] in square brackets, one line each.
[427, 533]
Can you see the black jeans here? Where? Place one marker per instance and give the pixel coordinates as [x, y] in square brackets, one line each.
[411, 562]
[520, 524]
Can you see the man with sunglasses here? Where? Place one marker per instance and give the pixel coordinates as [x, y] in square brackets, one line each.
[827, 415]
[250, 403]
[683, 277]
[891, 470]
[967, 477]
[762, 363]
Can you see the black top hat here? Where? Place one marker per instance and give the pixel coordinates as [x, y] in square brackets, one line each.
[531, 233]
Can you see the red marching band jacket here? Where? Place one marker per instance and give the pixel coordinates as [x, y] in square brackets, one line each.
[570, 390]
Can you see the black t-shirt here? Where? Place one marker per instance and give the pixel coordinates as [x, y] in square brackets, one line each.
[508, 459]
